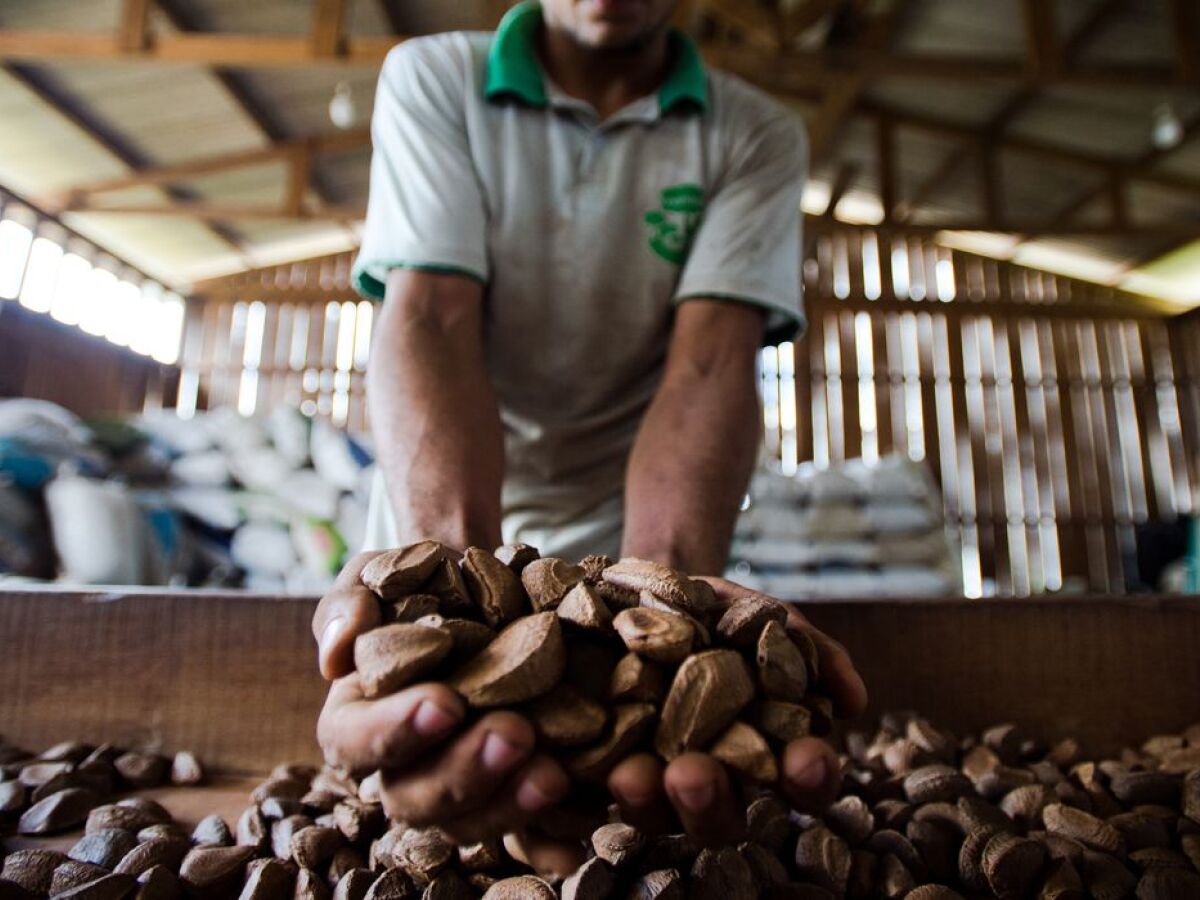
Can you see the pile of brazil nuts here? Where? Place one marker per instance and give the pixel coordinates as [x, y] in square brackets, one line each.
[56, 789]
[923, 815]
[604, 658]
[607, 659]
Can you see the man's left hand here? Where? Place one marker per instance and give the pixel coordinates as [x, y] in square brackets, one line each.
[695, 790]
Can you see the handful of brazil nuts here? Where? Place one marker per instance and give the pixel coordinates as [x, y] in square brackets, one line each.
[604, 658]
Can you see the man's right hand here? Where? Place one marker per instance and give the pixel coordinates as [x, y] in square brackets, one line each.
[472, 782]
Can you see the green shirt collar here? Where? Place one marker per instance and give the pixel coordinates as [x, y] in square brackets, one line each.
[513, 67]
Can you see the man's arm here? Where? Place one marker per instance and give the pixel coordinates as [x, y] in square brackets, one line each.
[697, 443]
[433, 410]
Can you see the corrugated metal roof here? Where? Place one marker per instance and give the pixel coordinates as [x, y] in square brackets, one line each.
[182, 113]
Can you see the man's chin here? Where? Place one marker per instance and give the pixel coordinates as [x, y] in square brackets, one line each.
[614, 36]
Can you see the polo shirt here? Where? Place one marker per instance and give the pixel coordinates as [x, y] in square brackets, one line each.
[586, 234]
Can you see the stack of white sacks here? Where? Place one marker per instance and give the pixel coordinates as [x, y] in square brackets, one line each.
[273, 503]
[847, 531]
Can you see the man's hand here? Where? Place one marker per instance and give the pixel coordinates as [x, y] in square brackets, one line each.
[472, 782]
[696, 789]
[487, 779]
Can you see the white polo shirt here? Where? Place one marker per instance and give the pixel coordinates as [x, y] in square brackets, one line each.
[586, 235]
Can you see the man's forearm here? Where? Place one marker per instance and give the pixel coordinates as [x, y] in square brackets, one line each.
[689, 468]
[436, 421]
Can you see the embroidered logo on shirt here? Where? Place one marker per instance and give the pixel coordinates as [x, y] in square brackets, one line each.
[674, 225]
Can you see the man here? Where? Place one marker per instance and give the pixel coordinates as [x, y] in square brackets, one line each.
[582, 238]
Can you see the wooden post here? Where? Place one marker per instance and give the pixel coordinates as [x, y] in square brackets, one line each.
[299, 168]
[989, 177]
[1185, 32]
[1042, 36]
[886, 134]
[133, 35]
[328, 18]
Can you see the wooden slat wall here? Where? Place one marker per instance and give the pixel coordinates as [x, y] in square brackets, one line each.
[47, 360]
[1056, 414]
[296, 335]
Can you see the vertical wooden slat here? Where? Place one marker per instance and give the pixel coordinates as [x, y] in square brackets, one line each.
[1020, 482]
[848, 357]
[895, 355]
[820, 407]
[994, 443]
[926, 376]
[883, 385]
[804, 399]
[1185, 398]
[947, 455]
[1033, 426]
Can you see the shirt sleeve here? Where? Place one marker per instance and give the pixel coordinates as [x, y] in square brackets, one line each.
[425, 209]
[748, 245]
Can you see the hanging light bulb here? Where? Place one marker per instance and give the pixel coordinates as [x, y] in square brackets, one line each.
[342, 111]
[1167, 130]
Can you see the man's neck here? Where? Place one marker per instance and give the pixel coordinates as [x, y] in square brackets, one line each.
[607, 80]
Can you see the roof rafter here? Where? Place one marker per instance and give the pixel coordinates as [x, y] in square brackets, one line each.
[254, 51]
[844, 92]
[1191, 128]
[1129, 170]
[296, 154]
[183, 16]
[1018, 103]
[58, 98]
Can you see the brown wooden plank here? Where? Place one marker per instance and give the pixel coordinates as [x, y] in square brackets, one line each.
[928, 387]
[992, 559]
[822, 452]
[1114, 499]
[883, 366]
[1031, 377]
[1019, 451]
[1008, 558]
[804, 399]
[848, 357]
[945, 460]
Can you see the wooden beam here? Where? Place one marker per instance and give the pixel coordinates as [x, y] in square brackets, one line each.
[62, 101]
[1172, 229]
[9, 196]
[247, 51]
[1117, 200]
[991, 192]
[1017, 104]
[753, 22]
[234, 211]
[134, 34]
[788, 71]
[1041, 35]
[804, 69]
[847, 172]
[1185, 32]
[183, 16]
[800, 19]
[1131, 170]
[391, 12]
[299, 164]
[886, 160]
[223, 211]
[1139, 169]
[279, 152]
[966, 149]
[329, 17]
[844, 179]
[841, 96]
[1091, 28]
